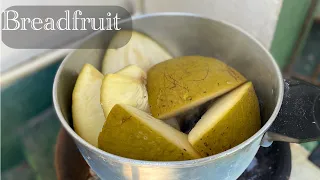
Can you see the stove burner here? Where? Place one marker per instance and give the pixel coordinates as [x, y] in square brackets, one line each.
[273, 163]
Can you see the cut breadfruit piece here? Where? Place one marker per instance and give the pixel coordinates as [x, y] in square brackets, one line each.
[133, 71]
[88, 117]
[141, 50]
[232, 119]
[178, 85]
[119, 89]
[132, 133]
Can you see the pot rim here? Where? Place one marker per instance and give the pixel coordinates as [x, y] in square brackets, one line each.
[175, 164]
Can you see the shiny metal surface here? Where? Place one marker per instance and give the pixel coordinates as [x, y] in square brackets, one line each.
[181, 34]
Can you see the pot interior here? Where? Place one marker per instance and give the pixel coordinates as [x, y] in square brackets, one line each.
[183, 35]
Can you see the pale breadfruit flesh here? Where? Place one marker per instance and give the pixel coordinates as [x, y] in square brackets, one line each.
[141, 50]
[88, 117]
[119, 89]
[134, 72]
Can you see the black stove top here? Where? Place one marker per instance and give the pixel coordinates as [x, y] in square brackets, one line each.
[272, 163]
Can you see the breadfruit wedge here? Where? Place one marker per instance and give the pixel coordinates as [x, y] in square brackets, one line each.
[231, 119]
[132, 133]
[88, 117]
[180, 84]
[117, 89]
[141, 50]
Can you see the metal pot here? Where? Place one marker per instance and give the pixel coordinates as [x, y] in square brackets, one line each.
[188, 34]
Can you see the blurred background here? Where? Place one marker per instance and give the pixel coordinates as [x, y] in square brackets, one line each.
[290, 29]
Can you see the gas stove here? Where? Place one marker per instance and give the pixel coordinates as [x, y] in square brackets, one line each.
[273, 163]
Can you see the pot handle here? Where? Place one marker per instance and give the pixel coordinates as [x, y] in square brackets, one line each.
[298, 120]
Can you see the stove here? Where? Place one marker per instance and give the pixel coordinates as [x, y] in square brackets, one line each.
[273, 162]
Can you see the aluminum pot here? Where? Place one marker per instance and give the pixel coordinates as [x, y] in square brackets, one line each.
[189, 34]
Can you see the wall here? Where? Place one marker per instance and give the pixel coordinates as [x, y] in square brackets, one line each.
[11, 57]
[318, 11]
[291, 20]
[257, 17]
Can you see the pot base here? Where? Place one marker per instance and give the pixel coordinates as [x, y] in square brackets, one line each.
[273, 162]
